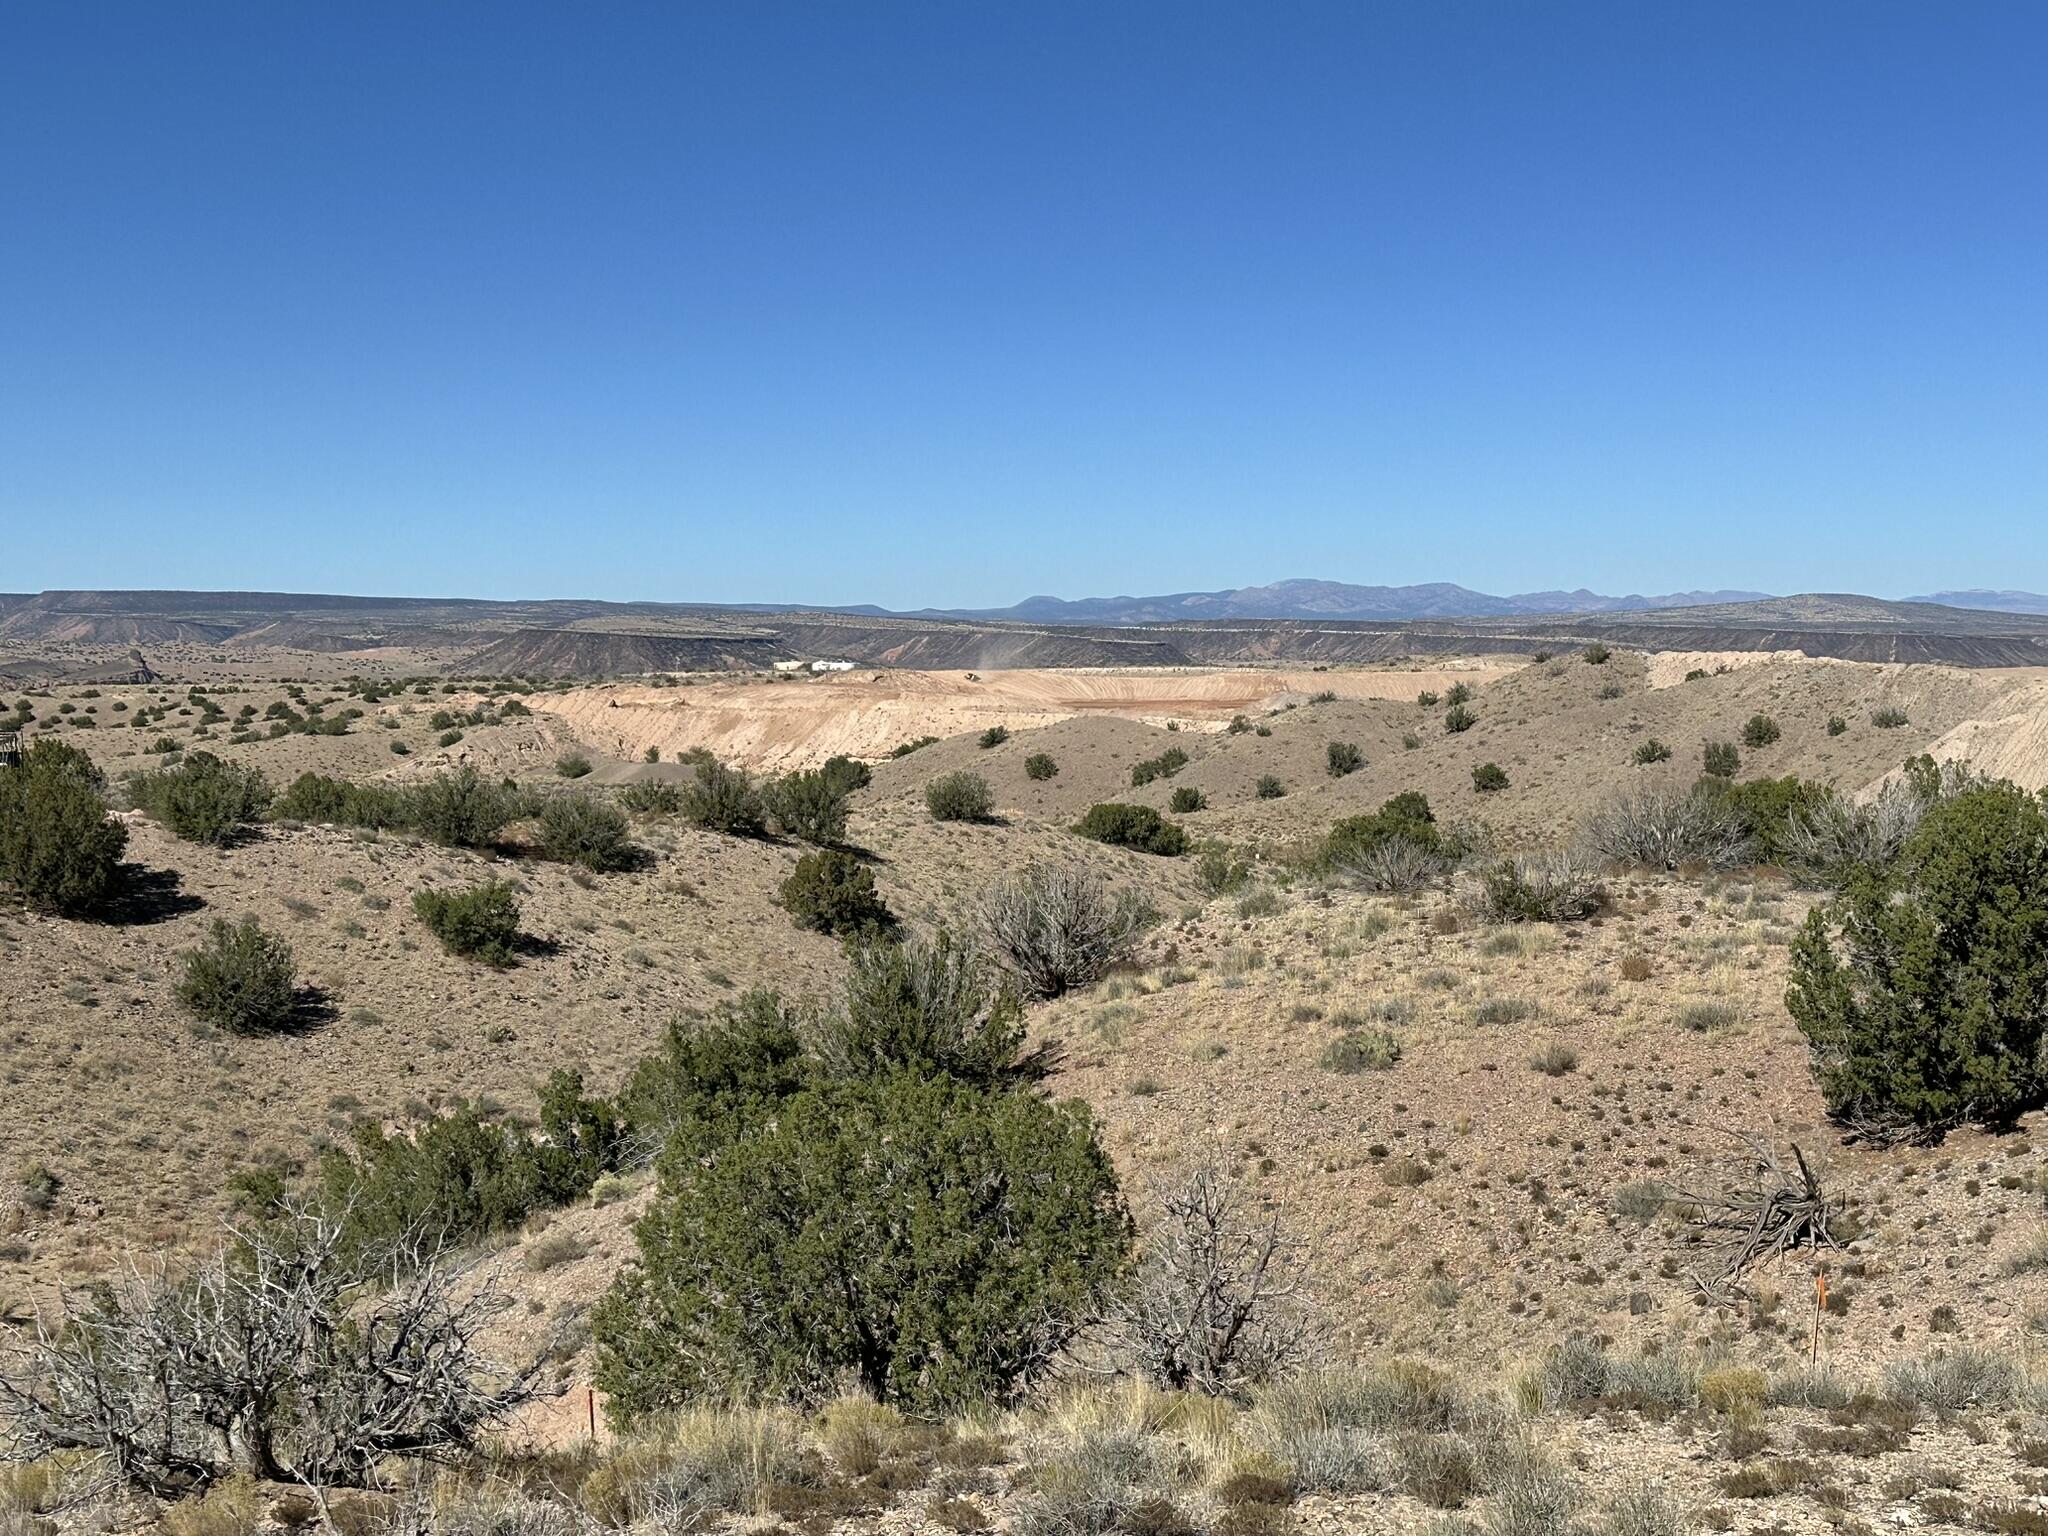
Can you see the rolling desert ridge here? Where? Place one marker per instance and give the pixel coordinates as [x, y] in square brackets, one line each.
[1482, 1131]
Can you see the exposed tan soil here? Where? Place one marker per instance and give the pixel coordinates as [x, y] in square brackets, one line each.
[1468, 1205]
[797, 723]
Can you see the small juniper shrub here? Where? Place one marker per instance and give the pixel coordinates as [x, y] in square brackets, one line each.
[834, 892]
[241, 980]
[1760, 731]
[959, 797]
[481, 923]
[1132, 826]
[1164, 766]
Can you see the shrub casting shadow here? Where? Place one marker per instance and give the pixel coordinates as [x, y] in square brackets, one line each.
[146, 896]
[312, 1008]
[532, 946]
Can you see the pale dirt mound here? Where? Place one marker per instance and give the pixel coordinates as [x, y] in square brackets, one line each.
[2010, 742]
[788, 725]
[1667, 669]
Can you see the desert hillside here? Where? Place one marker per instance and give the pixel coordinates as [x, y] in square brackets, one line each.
[1489, 1133]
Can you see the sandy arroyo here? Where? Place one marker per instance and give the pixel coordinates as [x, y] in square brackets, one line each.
[781, 725]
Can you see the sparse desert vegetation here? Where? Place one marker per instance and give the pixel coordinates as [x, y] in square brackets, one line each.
[1490, 1014]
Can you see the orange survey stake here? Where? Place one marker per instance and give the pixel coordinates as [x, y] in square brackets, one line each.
[1820, 1306]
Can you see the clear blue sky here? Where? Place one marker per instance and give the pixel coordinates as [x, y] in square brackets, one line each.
[957, 302]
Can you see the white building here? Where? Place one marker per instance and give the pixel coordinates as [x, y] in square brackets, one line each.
[832, 664]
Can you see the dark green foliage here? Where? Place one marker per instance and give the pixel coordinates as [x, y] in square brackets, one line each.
[927, 1007]
[1888, 719]
[578, 829]
[1164, 766]
[58, 848]
[1269, 787]
[1427, 699]
[572, 765]
[1651, 750]
[834, 893]
[1720, 760]
[847, 774]
[1132, 826]
[724, 800]
[241, 979]
[1759, 731]
[1766, 808]
[1924, 777]
[1595, 654]
[580, 1138]
[463, 1177]
[994, 736]
[707, 1083]
[315, 797]
[203, 799]
[462, 809]
[1923, 989]
[1221, 868]
[1344, 758]
[1039, 765]
[1489, 778]
[481, 923]
[652, 799]
[447, 738]
[905, 748]
[458, 1177]
[1186, 798]
[1458, 719]
[938, 1240]
[959, 797]
[1458, 693]
[1837, 725]
[874, 1190]
[1695, 674]
[1406, 815]
[810, 806]
[258, 1191]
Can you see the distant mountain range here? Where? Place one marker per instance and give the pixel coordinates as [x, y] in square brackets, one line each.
[43, 634]
[1302, 599]
[1995, 602]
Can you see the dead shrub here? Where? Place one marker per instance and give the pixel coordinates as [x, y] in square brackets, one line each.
[1659, 828]
[1219, 1303]
[1058, 927]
